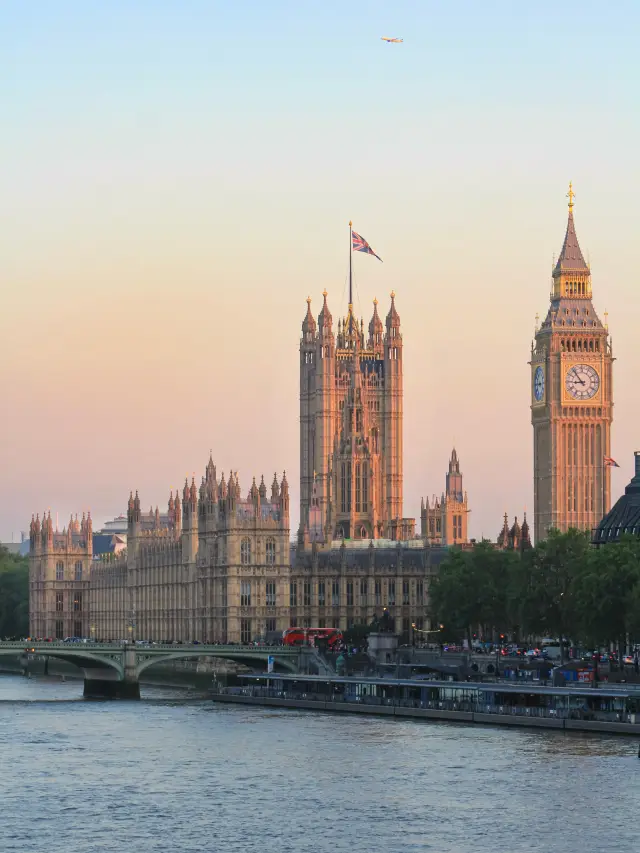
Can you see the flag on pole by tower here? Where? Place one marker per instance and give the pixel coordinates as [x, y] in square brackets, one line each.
[610, 462]
[359, 244]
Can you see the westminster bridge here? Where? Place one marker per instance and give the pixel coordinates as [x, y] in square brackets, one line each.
[113, 670]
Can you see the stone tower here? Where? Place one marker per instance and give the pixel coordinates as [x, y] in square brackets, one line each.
[350, 425]
[444, 520]
[571, 400]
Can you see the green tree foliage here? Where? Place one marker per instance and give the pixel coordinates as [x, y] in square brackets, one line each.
[563, 587]
[14, 595]
[470, 592]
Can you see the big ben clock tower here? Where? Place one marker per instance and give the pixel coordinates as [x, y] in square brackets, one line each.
[571, 400]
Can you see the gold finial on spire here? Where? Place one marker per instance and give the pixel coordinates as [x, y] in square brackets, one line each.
[350, 223]
[308, 300]
[324, 293]
[606, 320]
[571, 195]
[375, 301]
[393, 294]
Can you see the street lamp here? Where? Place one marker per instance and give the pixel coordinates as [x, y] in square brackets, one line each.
[92, 632]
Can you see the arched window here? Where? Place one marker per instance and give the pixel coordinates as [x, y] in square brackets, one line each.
[79, 570]
[245, 551]
[270, 552]
[59, 571]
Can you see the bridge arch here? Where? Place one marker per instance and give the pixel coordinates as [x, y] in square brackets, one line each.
[236, 655]
[82, 658]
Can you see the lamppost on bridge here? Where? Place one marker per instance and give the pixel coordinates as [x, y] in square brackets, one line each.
[92, 632]
[132, 625]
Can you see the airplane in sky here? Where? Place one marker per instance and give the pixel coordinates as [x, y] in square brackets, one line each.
[392, 41]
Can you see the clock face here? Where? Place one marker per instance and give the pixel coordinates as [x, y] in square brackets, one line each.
[538, 384]
[582, 382]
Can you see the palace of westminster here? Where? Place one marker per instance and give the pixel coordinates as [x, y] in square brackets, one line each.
[219, 565]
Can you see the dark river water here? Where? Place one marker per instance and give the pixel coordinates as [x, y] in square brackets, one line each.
[184, 775]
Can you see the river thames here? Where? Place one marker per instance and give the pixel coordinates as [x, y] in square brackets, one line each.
[181, 774]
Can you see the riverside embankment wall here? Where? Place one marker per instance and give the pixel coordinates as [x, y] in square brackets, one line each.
[433, 714]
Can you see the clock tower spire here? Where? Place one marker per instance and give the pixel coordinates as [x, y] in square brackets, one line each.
[571, 399]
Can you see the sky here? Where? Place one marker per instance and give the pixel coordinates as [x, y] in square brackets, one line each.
[176, 178]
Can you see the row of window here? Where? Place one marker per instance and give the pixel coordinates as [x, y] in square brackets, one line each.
[269, 553]
[408, 596]
[457, 527]
[572, 345]
[77, 571]
[75, 601]
[352, 590]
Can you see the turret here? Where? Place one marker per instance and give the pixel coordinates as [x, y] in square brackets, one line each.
[376, 329]
[134, 529]
[503, 536]
[308, 324]
[393, 409]
[525, 536]
[177, 515]
[190, 529]
[284, 499]
[325, 320]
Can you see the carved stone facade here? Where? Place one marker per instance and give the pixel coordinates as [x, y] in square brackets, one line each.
[215, 568]
[347, 584]
[571, 400]
[350, 426]
[59, 577]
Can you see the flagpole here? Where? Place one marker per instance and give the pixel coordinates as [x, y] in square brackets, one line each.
[350, 265]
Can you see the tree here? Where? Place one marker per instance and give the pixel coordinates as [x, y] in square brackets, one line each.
[549, 603]
[471, 591]
[14, 595]
[604, 592]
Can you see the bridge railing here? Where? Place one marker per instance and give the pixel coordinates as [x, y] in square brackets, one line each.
[160, 647]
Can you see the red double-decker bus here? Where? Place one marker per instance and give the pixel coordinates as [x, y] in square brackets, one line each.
[308, 637]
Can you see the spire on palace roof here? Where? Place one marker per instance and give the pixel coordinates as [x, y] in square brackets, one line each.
[309, 323]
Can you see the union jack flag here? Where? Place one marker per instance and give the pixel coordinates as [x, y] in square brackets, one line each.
[609, 462]
[359, 244]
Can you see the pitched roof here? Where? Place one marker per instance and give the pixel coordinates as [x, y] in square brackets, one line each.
[571, 259]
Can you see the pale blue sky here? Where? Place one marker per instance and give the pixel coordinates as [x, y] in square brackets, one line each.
[175, 178]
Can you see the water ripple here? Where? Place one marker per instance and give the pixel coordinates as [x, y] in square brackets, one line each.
[189, 776]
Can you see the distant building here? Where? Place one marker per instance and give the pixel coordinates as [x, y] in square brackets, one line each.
[624, 518]
[18, 549]
[116, 525]
[444, 520]
[516, 537]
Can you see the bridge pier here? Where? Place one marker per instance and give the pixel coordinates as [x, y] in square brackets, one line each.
[128, 687]
[105, 689]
